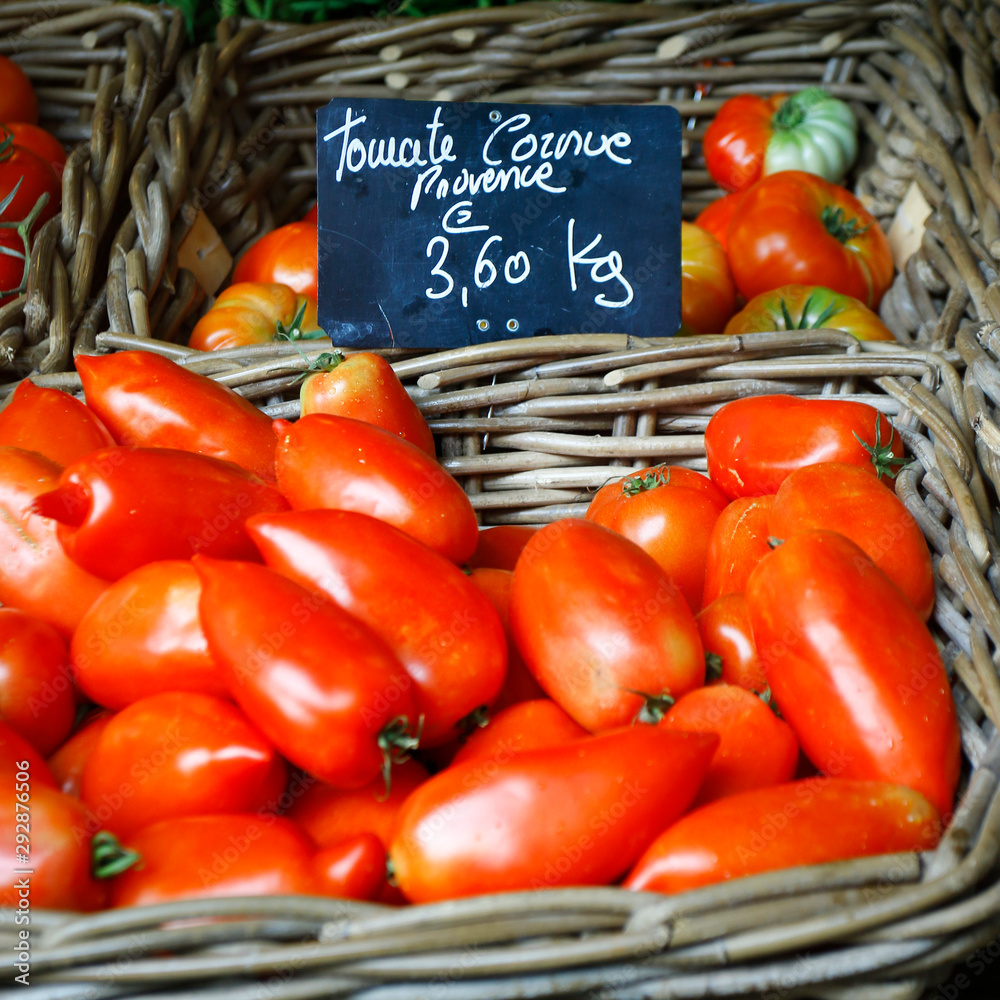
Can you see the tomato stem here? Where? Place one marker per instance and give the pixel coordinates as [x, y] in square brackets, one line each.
[396, 743]
[713, 667]
[23, 229]
[635, 485]
[768, 698]
[882, 456]
[107, 856]
[773, 543]
[478, 718]
[839, 226]
[654, 708]
[793, 111]
[294, 330]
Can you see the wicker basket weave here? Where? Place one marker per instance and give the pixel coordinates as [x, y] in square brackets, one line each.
[531, 427]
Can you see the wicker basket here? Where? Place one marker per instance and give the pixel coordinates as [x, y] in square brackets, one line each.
[531, 427]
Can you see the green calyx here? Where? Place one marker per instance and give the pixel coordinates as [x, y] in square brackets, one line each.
[882, 457]
[805, 323]
[294, 330]
[839, 226]
[107, 856]
[768, 698]
[713, 667]
[654, 708]
[478, 718]
[660, 476]
[793, 111]
[397, 743]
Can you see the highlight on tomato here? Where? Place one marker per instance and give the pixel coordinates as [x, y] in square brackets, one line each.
[255, 313]
[808, 307]
[739, 541]
[708, 295]
[796, 228]
[286, 256]
[753, 136]
[730, 653]
[716, 217]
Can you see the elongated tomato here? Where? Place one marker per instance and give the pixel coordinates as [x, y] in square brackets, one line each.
[529, 725]
[852, 667]
[120, 508]
[36, 575]
[738, 543]
[600, 625]
[316, 681]
[143, 636]
[805, 822]
[754, 444]
[344, 464]
[441, 626]
[576, 814]
[148, 401]
[834, 496]
[53, 423]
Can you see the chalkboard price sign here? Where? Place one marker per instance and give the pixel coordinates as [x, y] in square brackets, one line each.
[442, 225]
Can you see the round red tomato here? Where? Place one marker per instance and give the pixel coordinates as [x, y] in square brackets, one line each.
[736, 138]
[143, 636]
[796, 228]
[18, 102]
[286, 256]
[40, 142]
[178, 754]
[37, 698]
[600, 624]
[708, 295]
[754, 444]
[344, 464]
[32, 176]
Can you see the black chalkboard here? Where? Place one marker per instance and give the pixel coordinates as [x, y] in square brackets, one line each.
[442, 225]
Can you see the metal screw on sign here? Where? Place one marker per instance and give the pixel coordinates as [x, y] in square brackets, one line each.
[513, 325]
[495, 116]
[482, 325]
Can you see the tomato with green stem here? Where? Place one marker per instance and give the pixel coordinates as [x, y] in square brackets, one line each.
[149, 401]
[37, 696]
[808, 307]
[255, 313]
[835, 496]
[287, 256]
[808, 822]
[730, 655]
[178, 754]
[619, 489]
[853, 668]
[738, 542]
[602, 627]
[339, 463]
[36, 575]
[53, 423]
[344, 719]
[42, 143]
[796, 228]
[754, 444]
[576, 814]
[364, 386]
[143, 636]
[442, 628]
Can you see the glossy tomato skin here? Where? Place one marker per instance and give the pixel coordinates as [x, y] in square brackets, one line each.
[272, 639]
[736, 139]
[618, 491]
[529, 725]
[834, 496]
[195, 857]
[178, 754]
[499, 547]
[596, 620]
[756, 748]
[40, 142]
[59, 855]
[36, 575]
[738, 542]
[333, 815]
[753, 444]
[17, 162]
[18, 102]
[852, 667]
[151, 402]
[143, 636]
[808, 307]
[344, 464]
[253, 312]
[716, 218]
[53, 423]
[576, 814]
[68, 762]
[363, 386]
[353, 869]
[724, 626]
[806, 822]
[436, 621]
[15, 751]
[287, 255]
[519, 684]
[778, 236]
[120, 508]
[708, 295]
[673, 524]
[36, 686]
